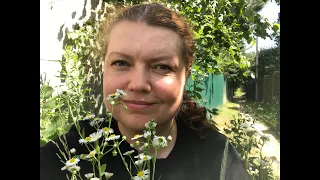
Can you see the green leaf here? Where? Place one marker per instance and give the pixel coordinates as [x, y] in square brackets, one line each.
[103, 168]
[46, 91]
[275, 27]
[245, 74]
[50, 104]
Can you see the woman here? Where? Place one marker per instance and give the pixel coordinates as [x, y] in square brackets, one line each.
[148, 52]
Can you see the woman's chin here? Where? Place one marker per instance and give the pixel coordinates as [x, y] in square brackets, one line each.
[136, 125]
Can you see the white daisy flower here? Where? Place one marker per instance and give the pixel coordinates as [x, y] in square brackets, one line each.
[89, 175]
[151, 124]
[111, 96]
[117, 95]
[147, 134]
[74, 168]
[91, 138]
[91, 154]
[159, 141]
[95, 136]
[139, 162]
[95, 178]
[73, 150]
[145, 158]
[137, 136]
[121, 92]
[128, 153]
[81, 141]
[141, 175]
[106, 130]
[108, 175]
[113, 137]
[139, 155]
[72, 161]
[89, 116]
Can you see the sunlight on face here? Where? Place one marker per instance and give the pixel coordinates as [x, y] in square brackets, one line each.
[145, 61]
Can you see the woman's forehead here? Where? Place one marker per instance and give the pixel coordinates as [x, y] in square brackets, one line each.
[135, 37]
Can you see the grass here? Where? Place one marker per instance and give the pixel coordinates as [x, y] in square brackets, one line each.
[239, 92]
[226, 113]
[266, 114]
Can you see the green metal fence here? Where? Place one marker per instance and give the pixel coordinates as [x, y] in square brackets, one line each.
[214, 92]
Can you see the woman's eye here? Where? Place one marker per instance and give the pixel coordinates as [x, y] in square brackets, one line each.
[163, 67]
[120, 63]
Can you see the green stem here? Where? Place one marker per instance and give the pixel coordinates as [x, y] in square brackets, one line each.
[99, 166]
[154, 163]
[124, 162]
[133, 163]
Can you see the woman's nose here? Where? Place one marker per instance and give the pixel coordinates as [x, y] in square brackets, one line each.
[139, 80]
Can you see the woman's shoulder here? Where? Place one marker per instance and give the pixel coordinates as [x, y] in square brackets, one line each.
[218, 142]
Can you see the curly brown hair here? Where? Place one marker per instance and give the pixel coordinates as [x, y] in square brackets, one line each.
[155, 14]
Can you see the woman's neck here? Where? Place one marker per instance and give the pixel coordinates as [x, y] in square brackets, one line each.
[167, 129]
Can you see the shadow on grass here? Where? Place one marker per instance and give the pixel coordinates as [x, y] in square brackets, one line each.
[234, 108]
[262, 109]
[274, 133]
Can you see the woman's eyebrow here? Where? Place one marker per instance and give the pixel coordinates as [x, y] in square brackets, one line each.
[160, 58]
[117, 54]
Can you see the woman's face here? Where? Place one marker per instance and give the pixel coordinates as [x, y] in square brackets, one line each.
[144, 61]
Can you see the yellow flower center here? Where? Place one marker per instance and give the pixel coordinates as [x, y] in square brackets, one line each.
[112, 135]
[140, 174]
[91, 153]
[106, 129]
[72, 160]
[145, 157]
[87, 138]
[136, 136]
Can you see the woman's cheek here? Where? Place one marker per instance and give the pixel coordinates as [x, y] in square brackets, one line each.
[168, 88]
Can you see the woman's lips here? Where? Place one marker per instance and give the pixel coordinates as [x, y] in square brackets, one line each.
[138, 105]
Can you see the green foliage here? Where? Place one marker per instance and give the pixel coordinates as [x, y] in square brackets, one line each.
[62, 106]
[249, 143]
[220, 28]
[267, 113]
[256, 5]
[82, 63]
[269, 61]
[52, 121]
